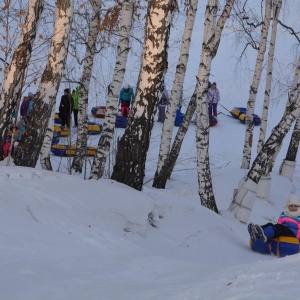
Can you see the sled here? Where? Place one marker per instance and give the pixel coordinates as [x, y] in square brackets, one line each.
[57, 119]
[121, 122]
[94, 128]
[99, 111]
[213, 121]
[256, 119]
[61, 131]
[280, 247]
[237, 111]
[55, 140]
[66, 150]
[179, 117]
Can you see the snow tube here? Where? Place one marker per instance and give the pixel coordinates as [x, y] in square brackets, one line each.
[66, 150]
[179, 117]
[55, 140]
[212, 121]
[256, 119]
[61, 131]
[57, 119]
[281, 246]
[121, 122]
[99, 111]
[237, 111]
[94, 128]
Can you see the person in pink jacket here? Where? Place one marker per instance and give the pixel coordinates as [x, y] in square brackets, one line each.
[288, 223]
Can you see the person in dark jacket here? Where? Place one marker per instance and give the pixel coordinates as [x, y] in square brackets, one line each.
[65, 108]
[126, 99]
[162, 104]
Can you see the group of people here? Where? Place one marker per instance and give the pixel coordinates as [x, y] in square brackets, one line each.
[16, 130]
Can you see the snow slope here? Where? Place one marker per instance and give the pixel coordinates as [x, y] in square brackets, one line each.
[66, 238]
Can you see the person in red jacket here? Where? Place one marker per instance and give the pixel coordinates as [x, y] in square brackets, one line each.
[288, 223]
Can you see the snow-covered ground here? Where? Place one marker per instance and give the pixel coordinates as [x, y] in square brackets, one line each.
[63, 237]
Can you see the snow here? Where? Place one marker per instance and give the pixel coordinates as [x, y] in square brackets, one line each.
[63, 237]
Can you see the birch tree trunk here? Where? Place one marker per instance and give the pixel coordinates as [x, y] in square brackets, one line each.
[46, 147]
[82, 134]
[173, 104]
[202, 120]
[289, 163]
[254, 86]
[291, 98]
[133, 146]
[13, 81]
[264, 186]
[113, 92]
[244, 197]
[170, 162]
[264, 118]
[31, 143]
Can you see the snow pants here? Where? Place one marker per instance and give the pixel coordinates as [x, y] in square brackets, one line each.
[161, 113]
[276, 230]
[125, 108]
[212, 109]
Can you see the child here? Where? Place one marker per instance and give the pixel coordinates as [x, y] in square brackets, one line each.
[288, 223]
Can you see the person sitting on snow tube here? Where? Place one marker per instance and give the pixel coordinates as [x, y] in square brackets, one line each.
[288, 223]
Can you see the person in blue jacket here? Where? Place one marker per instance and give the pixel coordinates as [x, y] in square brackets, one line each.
[126, 99]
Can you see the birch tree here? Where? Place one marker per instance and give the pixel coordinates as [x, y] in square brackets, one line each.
[15, 73]
[31, 143]
[113, 92]
[244, 196]
[291, 98]
[133, 146]
[81, 142]
[174, 100]
[264, 186]
[46, 147]
[254, 86]
[264, 118]
[167, 168]
[288, 165]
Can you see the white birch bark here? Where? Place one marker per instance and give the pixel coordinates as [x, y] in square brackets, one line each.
[174, 100]
[30, 145]
[202, 119]
[82, 137]
[133, 146]
[167, 168]
[244, 198]
[264, 185]
[46, 147]
[291, 98]
[14, 75]
[113, 93]
[254, 86]
[264, 116]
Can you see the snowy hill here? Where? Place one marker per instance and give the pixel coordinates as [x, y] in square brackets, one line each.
[66, 238]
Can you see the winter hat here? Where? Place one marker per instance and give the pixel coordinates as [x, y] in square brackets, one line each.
[214, 83]
[30, 95]
[126, 86]
[292, 200]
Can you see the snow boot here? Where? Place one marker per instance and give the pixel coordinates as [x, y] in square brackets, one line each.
[252, 231]
[261, 233]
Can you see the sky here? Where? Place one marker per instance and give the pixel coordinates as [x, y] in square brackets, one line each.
[63, 237]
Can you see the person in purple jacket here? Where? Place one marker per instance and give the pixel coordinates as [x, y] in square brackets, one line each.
[288, 223]
[27, 105]
[213, 98]
[162, 105]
